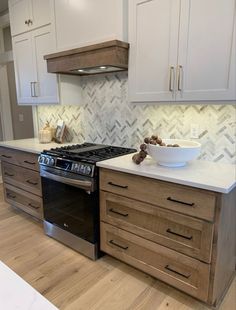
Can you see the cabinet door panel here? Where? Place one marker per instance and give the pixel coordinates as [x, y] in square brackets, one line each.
[24, 68]
[207, 51]
[19, 11]
[41, 12]
[153, 35]
[46, 83]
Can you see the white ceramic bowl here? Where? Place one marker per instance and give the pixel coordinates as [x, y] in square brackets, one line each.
[174, 156]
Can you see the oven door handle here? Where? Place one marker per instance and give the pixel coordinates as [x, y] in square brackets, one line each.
[86, 185]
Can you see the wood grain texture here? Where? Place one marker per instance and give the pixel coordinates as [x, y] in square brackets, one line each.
[72, 281]
[26, 179]
[179, 232]
[157, 192]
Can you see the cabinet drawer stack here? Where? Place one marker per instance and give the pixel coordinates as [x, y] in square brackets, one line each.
[164, 229]
[22, 182]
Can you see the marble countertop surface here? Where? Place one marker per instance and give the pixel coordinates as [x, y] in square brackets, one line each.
[31, 145]
[207, 175]
[16, 294]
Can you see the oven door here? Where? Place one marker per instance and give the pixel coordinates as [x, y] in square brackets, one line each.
[71, 202]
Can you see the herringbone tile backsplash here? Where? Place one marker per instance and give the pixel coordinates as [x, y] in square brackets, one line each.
[106, 116]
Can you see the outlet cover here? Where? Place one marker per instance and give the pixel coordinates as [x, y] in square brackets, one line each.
[194, 131]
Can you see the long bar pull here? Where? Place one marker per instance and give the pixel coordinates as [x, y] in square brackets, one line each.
[35, 89]
[31, 89]
[181, 274]
[119, 213]
[191, 204]
[8, 174]
[33, 206]
[117, 185]
[180, 78]
[32, 182]
[179, 235]
[118, 245]
[171, 79]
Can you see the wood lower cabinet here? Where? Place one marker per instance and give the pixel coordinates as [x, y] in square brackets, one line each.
[181, 235]
[22, 182]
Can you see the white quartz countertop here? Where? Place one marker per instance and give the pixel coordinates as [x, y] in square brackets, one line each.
[31, 145]
[15, 293]
[207, 175]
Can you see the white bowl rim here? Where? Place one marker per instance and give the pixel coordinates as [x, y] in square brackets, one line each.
[195, 144]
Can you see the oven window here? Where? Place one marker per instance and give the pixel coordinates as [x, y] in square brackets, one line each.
[71, 209]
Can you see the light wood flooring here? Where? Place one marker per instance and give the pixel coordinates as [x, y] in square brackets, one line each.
[71, 281]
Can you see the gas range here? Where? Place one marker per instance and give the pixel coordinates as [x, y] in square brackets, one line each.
[81, 158]
[70, 187]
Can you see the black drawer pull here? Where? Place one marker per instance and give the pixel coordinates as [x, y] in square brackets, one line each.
[182, 202]
[32, 183]
[117, 185]
[8, 174]
[32, 206]
[181, 274]
[179, 235]
[11, 195]
[29, 162]
[118, 245]
[6, 156]
[119, 213]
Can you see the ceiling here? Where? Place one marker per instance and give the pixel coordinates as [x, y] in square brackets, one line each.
[3, 5]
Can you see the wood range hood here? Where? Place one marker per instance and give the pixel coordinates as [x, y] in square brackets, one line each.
[110, 56]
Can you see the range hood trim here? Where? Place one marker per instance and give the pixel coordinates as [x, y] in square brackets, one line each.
[107, 54]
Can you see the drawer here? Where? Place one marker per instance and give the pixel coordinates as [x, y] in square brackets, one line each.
[183, 199]
[25, 201]
[178, 270]
[23, 159]
[23, 178]
[179, 232]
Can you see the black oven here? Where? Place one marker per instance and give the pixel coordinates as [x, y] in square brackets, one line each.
[71, 209]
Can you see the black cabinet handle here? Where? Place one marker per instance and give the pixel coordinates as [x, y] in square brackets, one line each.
[117, 185]
[118, 245]
[32, 206]
[179, 273]
[11, 195]
[29, 162]
[6, 156]
[8, 174]
[119, 213]
[181, 202]
[179, 235]
[31, 182]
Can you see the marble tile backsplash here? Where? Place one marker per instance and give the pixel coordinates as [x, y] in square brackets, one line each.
[106, 116]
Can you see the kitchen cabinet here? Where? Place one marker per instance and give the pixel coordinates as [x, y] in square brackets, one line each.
[34, 85]
[182, 50]
[22, 181]
[27, 15]
[182, 235]
[80, 23]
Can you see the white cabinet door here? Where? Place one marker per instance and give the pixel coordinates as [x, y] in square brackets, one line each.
[24, 68]
[19, 11]
[207, 50]
[153, 37]
[26, 15]
[83, 22]
[41, 12]
[45, 84]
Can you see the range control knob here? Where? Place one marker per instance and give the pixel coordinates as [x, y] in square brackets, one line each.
[75, 167]
[88, 170]
[41, 159]
[47, 161]
[51, 161]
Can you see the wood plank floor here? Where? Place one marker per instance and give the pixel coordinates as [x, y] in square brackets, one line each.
[73, 282]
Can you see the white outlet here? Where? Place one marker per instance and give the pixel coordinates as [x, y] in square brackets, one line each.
[194, 131]
[21, 117]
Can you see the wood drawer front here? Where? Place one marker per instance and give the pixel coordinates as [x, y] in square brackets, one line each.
[184, 199]
[183, 272]
[27, 202]
[179, 232]
[23, 159]
[26, 179]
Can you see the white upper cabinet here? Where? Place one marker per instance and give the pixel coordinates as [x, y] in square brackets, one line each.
[27, 15]
[83, 22]
[34, 85]
[182, 50]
